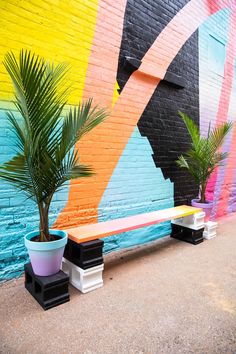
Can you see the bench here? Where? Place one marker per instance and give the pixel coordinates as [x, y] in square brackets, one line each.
[83, 257]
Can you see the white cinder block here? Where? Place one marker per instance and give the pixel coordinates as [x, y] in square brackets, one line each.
[210, 230]
[84, 280]
[194, 221]
[210, 226]
[208, 236]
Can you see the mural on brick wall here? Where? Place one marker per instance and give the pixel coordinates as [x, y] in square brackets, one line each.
[40, 28]
[145, 60]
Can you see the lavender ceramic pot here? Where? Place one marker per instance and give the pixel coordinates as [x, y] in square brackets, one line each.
[206, 207]
[46, 257]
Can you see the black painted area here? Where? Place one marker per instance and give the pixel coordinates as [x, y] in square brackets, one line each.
[160, 123]
[130, 64]
[174, 80]
[86, 254]
[49, 291]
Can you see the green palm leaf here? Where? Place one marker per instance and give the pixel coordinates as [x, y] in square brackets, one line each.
[44, 137]
[192, 128]
[203, 158]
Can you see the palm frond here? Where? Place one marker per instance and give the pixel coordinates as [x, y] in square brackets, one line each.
[191, 127]
[16, 171]
[203, 157]
[78, 122]
[218, 134]
[18, 131]
[37, 97]
[44, 139]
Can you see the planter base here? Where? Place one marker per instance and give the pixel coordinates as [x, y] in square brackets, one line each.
[206, 207]
[49, 291]
[186, 234]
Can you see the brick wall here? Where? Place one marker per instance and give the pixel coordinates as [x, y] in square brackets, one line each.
[175, 65]
[159, 121]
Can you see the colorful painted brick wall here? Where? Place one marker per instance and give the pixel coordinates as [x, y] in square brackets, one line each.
[144, 60]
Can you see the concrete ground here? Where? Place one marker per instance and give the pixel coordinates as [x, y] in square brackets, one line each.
[166, 297]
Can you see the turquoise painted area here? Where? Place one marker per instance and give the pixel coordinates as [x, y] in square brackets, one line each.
[18, 215]
[136, 187]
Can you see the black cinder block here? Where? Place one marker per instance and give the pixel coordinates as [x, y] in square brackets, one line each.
[186, 234]
[86, 254]
[49, 291]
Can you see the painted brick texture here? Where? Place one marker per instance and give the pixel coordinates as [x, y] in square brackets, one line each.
[133, 153]
[160, 122]
[59, 32]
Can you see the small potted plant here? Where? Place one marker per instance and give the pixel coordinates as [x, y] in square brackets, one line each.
[203, 157]
[45, 137]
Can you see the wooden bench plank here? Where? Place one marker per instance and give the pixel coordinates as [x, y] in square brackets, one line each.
[108, 228]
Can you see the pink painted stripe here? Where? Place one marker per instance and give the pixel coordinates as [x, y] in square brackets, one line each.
[222, 113]
[227, 184]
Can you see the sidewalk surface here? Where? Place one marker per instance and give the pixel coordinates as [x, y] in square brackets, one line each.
[166, 297]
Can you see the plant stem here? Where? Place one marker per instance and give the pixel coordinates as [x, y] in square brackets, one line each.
[44, 227]
[203, 191]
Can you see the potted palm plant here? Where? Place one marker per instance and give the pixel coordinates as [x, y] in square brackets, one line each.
[203, 157]
[45, 137]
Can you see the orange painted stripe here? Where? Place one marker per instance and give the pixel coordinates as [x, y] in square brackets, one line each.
[109, 228]
[99, 84]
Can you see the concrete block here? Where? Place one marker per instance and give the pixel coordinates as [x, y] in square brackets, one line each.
[207, 236]
[86, 254]
[49, 291]
[194, 222]
[186, 234]
[210, 230]
[84, 280]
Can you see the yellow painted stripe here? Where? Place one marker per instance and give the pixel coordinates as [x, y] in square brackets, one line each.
[116, 94]
[57, 30]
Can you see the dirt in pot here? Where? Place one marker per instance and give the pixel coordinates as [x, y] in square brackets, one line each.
[52, 238]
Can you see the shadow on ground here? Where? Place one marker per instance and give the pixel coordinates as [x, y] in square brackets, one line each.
[165, 297]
